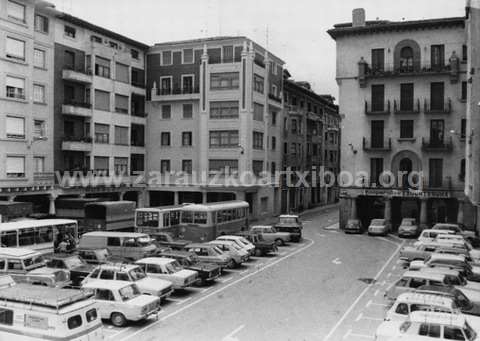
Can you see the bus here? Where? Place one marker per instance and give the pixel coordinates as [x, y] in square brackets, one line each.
[205, 222]
[109, 216]
[158, 219]
[39, 235]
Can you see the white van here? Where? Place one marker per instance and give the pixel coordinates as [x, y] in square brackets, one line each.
[128, 245]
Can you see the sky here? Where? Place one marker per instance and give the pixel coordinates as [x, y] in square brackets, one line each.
[295, 31]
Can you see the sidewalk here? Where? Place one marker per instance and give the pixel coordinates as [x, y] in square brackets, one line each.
[306, 213]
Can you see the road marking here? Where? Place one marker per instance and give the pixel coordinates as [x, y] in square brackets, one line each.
[359, 317]
[230, 337]
[210, 294]
[174, 299]
[376, 292]
[388, 240]
[383, 283]
[185, 300]
[371, 318]
[204, 290]
[339, 322]
[373, 303]
[368, 304]
[347, 334]
[320, 235]
[337, 261]
[224, 280]
[389, 275]
[394, 267]
[244, 271]
[283, 253]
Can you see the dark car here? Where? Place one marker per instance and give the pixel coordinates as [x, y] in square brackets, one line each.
[79, 269]
[292, 224]
[207, 272]
[165, 239]
[262, 247]
[462, 301]
[353, 226]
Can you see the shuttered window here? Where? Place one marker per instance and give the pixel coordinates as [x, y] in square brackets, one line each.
[15, 48]
[15, 127]
[102, 133]
[15, 166]
[102, 100]
[121, 135]
[121, 73]
[121, 104]
[101, 163]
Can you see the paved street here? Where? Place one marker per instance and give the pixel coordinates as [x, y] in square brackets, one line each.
[302, 293]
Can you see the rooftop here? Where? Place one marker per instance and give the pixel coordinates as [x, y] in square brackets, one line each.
[299, 86]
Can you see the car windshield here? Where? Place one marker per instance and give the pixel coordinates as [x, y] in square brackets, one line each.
[173, 267]
[462, 301]
[137, 274]
[288, 220]
[34, 262]
[469, 332]
[377, 222]
[216, 250]
[407, 223]
[129, 292]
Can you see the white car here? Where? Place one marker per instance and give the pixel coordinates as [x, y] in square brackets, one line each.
[470, 271]
[426, 325]
[168, 269]
[429, 235]
[120, 301]
[240, 241]
[238, 254]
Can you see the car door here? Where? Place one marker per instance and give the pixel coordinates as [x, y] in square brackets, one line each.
[106, 302]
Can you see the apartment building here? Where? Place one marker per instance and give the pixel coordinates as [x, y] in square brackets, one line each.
[215, 107]
[310, 143]
[26, 102]
[403, 93]
[99, 109]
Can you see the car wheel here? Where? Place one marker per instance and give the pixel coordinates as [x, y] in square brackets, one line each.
[118, 319]
[279, 242]
[258, 252]
[231, 264]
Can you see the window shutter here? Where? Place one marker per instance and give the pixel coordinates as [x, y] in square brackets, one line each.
[15, 126]
[15, 164]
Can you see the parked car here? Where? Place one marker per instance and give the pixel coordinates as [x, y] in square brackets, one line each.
[292, 224]
[262, 247]
[120, 301]
[453, 276]
[419, 252]
[463, 302]
[379, 227]
[94, 256]
[134, 274]
[455, 228]
[207, 272]
[353, 226]
[165, 239]
[451, 261]
[169, 270]
[211, 254]
[231, 248]
[444, 326]
[77, 267]
[244, 243]
[408, 228]
[429, 235]
[269, 233]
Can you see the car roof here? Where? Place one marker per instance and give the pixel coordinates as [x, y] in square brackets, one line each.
[441, 270]
[222, 242]
[445, 225]
[199, 245]
[438, 231]
[457, 320]
[409, 219]
[260, 226]
[18, 252]
[106, 284]
[288, 216]
[226, 237]
[155, 260]
[377, 220]
[441, 256]
[116, 266]
[423, 275]
[423, 298]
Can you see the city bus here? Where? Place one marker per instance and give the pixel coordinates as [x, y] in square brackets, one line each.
[39, 235]
[109, 216]
[158, 219]
[205, 222]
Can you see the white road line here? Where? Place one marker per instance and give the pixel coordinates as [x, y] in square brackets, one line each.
[185, 300]
[359, 317]
[230, 337]
[371, 318]
[204, 290]
[379, 304]
[282, 253]
[347, 334]
[388, 241]
[339, 322]
[394, 267]
[224, 280]
[244, 271]
[376, 292]
[383, 283]
[203, 298]
[368, 304]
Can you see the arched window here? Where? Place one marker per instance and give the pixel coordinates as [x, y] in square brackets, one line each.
[406, 59]
[406, 168]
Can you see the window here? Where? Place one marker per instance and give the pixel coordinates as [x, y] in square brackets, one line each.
[258, 83]
[257, 167]
[219, 110]
[121, 104]
[122, 72]
[39, 129]
[187, 166]
[137, 135]
[464, 53]
[378, 59]
[402, 309]
[186, 138]
[274, 143]
[463, 128]
[38, 93]
[437, 128]
[15, 127]
[102, 67]
[39, 164]
[121, 135]
[461, 176]
[113, 45]
[165, 85]
[70, 31]
[39, 58]
[91, 315]
[285, 148]
[406, 129]
[137, 163]
[107, 274]
[165, 139]
[102, 100]
[376, 168]
[464, 91]
[437, 56]
[187, 56]
[187, 110]
[453, 333]
[273, 114]
[378, 97]
[227, 54]
[224, 139]
[15, 49]
[257, 140]
[166, 111]
[120, 165]
[431, 330]
[167, 58]
[16, 11]
[223, 166]
[406, 97]
[41, 23]
[437, 96]
[377, 134]
[224, 81]
[258, 112]
[6, 316]
[435, 172]
[15, 166]
[165, 166]
[102, 133]
[101, 164]
[134, 54]
[274, 93]
[406, 59]
[69, 60]
[74, 322]
[187, 84]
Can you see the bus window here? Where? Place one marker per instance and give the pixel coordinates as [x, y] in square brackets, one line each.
[26, 237]
[166, 220]
[9, 239]
[187, 217]
[174, 218]
[113, 241]
[43, 234]
[147, 219]
[200, 217]
[219, 217]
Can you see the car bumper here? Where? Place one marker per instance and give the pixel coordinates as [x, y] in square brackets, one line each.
[407, 233]
[352, 230]
[377, 231]
[165, 293]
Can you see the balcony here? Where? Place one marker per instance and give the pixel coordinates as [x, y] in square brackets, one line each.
[275, 98]
[437, 146]
[384, 146]
[413, 108]
[175, 94]
[438, 108]
[44, 178]
[77, 144]
[77, 109]
[78, 75]
[371, 110]
[392, 71]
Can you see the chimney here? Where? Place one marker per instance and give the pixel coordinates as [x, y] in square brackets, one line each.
[358, 17]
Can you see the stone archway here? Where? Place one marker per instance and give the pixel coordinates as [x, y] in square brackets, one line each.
[405, 161]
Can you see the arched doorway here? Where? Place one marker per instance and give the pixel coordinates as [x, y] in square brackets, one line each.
[406, 161]
[406, 59]
[405, 168]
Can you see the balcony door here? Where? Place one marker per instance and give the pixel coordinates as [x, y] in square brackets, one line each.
[378, 59]
[437, 94]
[378, 97]
[406, 97]
[437, 56]
[377, 134]
[437, 128]
[435, 172]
